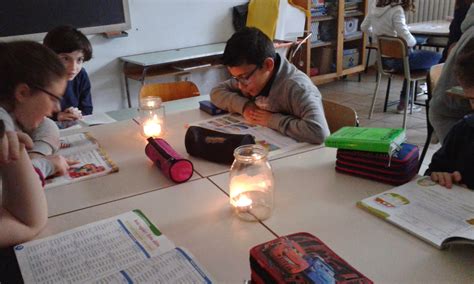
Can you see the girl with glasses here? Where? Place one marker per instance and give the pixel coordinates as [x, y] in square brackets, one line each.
[33, 82]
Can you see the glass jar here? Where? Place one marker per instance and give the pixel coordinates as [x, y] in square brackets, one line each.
[251, 183]
[152, 116]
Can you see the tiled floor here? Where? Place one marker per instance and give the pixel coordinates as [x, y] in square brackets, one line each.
[358, 95]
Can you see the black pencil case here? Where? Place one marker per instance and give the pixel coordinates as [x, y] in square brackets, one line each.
[213, 145]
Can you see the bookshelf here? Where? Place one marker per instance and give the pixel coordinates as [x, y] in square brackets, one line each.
[337, 46]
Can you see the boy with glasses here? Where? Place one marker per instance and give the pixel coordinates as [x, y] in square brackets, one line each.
[268, 90]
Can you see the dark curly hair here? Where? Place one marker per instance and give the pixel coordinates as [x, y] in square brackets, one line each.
[66, 39]
[407, 5]
[248, 46]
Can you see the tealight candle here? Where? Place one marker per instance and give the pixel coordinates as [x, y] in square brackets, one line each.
[243, 203]
[251, 184]
[152, 127]
[152, 116]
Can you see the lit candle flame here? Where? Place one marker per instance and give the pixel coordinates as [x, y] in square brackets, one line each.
[243, 201]
[152, 127]
[150, 104]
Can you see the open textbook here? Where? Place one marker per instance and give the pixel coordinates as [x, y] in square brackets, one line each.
[272, 140]
[433, 213]
[85, 121]
[92, 159]
[126, 248]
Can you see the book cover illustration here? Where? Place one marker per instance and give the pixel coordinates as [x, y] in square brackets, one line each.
[92, 160]
[301, 258]
[422, 207]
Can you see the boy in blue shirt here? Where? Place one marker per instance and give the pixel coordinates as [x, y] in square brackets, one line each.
[73, 48]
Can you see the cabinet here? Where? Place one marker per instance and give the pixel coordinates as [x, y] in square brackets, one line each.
[337, 46]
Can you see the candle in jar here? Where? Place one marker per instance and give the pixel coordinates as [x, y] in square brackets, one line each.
[152, 127]
[243, 203]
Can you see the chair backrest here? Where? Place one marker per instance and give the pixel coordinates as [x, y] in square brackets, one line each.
[338, 115]
[390, 47]
[170, 91]
[433, 78]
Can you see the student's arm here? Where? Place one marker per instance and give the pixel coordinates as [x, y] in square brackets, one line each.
[400, 26]
[366, 25]
[307, 122]
[85, 97]
[442, 168]
[228, 97]
[23, 212]
[45, 139]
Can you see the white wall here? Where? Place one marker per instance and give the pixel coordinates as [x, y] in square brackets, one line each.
[157, 25]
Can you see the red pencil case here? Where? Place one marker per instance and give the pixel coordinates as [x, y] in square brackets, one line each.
[300, 258]
[168, 160]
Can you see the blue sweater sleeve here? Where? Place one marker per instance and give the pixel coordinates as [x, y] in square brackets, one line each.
[78, 94]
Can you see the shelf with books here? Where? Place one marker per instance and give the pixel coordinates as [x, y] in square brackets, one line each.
[335, 25]
[354, 37]
[321, 18]
[354, 14]
[321, 44]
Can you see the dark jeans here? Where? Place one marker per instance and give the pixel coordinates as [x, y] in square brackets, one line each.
[418, 60]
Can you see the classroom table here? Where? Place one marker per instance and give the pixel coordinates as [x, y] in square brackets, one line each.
[195, 215]
[310, 196]
[168, 62]
[125, 146]
[436, 31]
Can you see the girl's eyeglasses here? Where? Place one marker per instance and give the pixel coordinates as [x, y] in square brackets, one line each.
[56, 97]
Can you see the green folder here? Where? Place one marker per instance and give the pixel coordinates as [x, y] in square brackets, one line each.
[371, 139]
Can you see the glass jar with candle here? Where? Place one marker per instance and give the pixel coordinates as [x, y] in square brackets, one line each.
[251, 183]
[152, 116]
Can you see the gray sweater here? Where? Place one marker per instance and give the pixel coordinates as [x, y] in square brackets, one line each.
[45, 137]
[446, 110]
[293, 99]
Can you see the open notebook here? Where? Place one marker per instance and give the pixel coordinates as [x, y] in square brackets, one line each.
[126, 248]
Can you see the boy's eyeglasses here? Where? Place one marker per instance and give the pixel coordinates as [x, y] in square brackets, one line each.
[245, 80]
[56, 97]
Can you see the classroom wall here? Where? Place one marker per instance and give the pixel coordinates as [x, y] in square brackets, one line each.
[158, 25]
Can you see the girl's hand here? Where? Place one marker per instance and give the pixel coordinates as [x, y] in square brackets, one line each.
[446, 179]
[61, 165]
[11, 144]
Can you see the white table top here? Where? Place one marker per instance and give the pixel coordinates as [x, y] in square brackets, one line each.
[124, 144]
[311, 196]
[195, 215]
[430, 28]
[175, 55]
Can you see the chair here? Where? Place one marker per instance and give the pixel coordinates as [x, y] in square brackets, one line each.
[431, 80]
[338, 115]
[390, 47]
[370, 46]
[170, 91]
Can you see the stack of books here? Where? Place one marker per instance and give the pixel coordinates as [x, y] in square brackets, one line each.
[351, 8]
[375, 153]
[318, 8]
